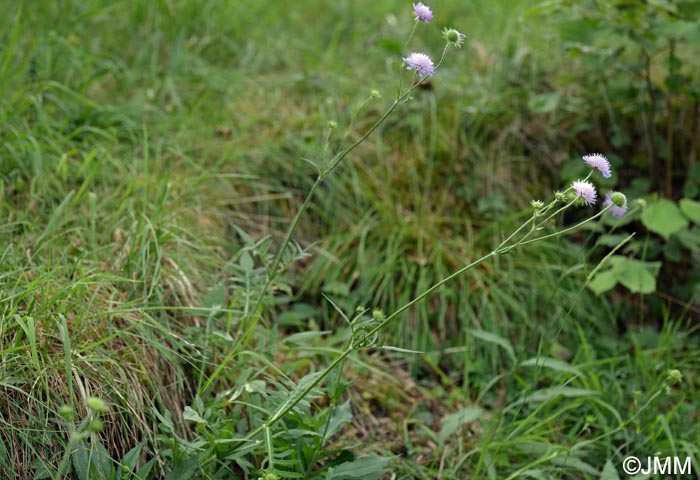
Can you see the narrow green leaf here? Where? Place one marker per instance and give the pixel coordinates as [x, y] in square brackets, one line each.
[551, 363]
[495, 339]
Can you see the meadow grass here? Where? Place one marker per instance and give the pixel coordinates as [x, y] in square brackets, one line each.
[151, 150]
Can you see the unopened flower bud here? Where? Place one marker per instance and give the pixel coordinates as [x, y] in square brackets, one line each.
[537, 203]
[66, 413]
[453, 37]
[96, 404]
[618, 199]
[674, 376]
[95, 426]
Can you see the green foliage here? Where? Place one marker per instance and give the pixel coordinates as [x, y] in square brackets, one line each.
[154, 153]
[663, 217]
[636, 276]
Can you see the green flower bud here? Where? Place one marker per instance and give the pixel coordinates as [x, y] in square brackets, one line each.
[332, 124]
[378, 314]
[374, 93]
[642, 203]
[559, 196]
[453, 37]
[618, 199]
[66, 413]
[674, 376]
[537, 204]
[95, 426]
[96, 404]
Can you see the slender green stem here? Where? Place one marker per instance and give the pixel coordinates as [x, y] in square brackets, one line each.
[290, 233]
[323, 374]
[442, 57]
[270, 277]
[561, 232]
[534, 228]
[268, 443]
[413, 30]
[428, 292]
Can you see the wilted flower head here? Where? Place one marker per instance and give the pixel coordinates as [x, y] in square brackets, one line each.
[585, 190]
[599, 162]
[420, 62]
[617, 203]
[453, 37]
[422, 12]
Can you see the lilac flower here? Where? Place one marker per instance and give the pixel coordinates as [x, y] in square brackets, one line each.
[614, 209]
[585, 190]
[422, 12]
[420, 62]
[599, 162]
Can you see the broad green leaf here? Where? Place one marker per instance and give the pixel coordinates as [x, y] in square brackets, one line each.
[664, 5]
[574, 463]
[371, 467]
[341, 415]
[543, 102]
[80, 459]
[192, 416]
[664, 218]
[609, 240]
[246, 262]
[145, 471]
[690, 239]
[690, 209]
[609, 472]
[102, 460]
[216, 297]
[131, 457]
[637, 276]
[185, 469]
[603, 281]
[452, 422]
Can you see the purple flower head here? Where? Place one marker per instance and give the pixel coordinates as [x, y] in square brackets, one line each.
[420, 62]
[585, 190]
[614, 209]
[599, 162]
[422, 12]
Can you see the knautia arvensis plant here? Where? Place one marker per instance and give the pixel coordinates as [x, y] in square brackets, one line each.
[365, 327]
